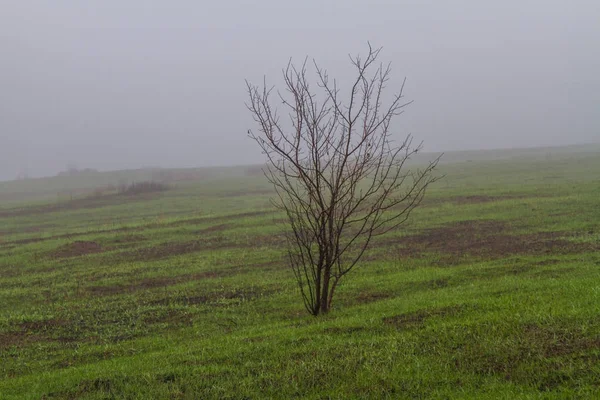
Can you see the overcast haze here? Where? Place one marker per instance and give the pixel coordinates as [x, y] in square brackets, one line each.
[118, 84]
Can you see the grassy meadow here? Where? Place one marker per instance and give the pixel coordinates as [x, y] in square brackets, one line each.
[491, 291]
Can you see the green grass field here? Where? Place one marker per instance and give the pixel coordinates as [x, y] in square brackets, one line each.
[491, 291]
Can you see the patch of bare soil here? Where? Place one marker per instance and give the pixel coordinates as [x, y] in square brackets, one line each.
[36, 326]
[555, 273]
[219, 219]
[75, 204]
[125, 239]
[215, 298]
[30, 332]
[417, 318]
[553, 342]
[214, 229]
[28, 229]
[98, 385]
[27, 240]
[487, 239]
[77, 248]
[71, 235]
[497, 272]
[476, 199]
[243, 295]
[192, 221]
[18, 339]
[471, 199]
[533, 343]
[165, 250]
[217, 242]
[47, 208]
[369, 297]
[155, 282]
[170, 317]
[532, 270]
[406, 288]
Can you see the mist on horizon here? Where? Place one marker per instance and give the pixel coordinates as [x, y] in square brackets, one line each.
[127, 84]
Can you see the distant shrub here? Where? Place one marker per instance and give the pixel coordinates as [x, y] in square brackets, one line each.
[143, 187]
[174, 175]
[72, 171]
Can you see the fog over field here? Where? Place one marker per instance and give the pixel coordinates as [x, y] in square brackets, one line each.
[131, 83]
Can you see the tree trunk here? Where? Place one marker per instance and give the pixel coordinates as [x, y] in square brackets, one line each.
[331, 291]
[325, 291]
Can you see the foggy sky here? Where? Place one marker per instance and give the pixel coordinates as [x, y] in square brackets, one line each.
[113, 84]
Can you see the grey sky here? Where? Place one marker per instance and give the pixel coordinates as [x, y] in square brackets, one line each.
[128, 83]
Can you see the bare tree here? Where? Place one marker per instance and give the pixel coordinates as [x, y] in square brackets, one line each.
[339, 176]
